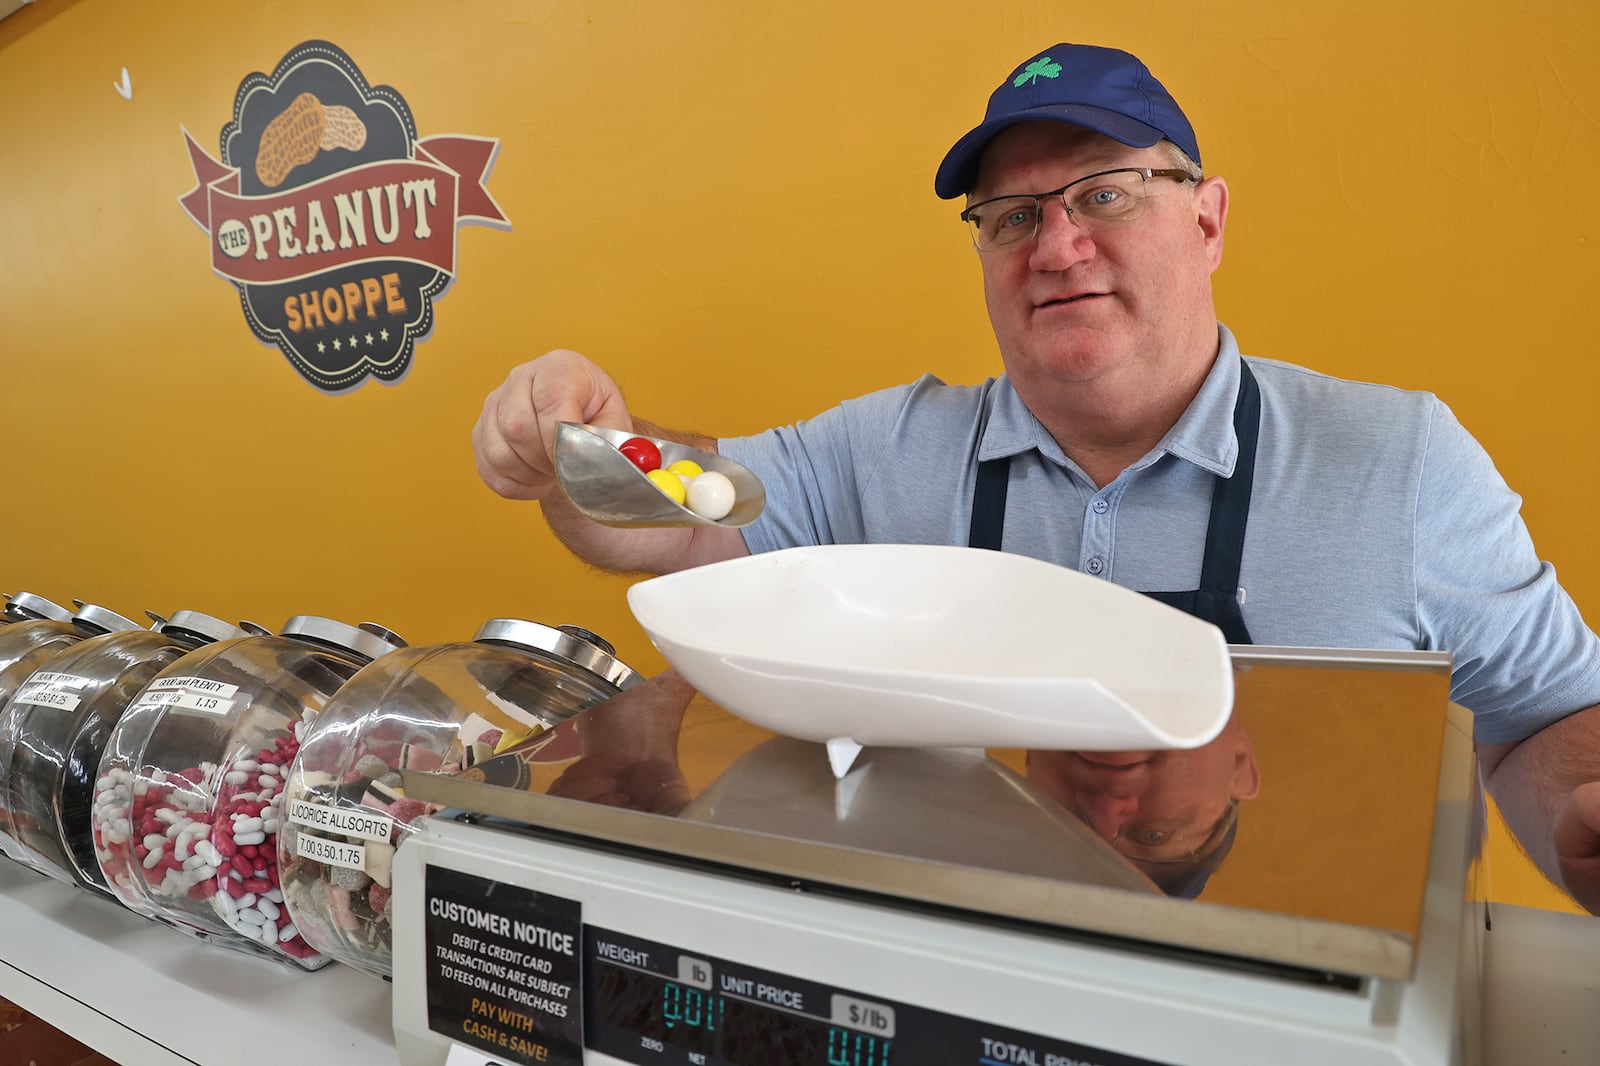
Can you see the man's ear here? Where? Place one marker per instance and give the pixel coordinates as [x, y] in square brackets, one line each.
[1211, 213]
[1246, 781]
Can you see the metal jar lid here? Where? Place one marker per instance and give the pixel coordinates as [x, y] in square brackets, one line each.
[192, 626]
[366, 641]
[569, 643]
[25, 606]
[100, 619]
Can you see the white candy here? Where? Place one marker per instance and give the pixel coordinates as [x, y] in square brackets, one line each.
[711, 495]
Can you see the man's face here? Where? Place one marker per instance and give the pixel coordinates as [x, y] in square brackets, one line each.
[1157, 806]
[1123, 298]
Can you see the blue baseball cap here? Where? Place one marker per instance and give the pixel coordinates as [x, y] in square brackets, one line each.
[1102, 89]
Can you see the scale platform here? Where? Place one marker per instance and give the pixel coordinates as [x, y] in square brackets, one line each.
[664, 883]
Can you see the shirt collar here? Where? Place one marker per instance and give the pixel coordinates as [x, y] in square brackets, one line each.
[1203, 434]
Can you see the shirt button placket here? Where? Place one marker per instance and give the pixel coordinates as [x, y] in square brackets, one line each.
[1098, 528]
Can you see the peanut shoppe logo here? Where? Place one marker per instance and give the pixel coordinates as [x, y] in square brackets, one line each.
[334, 220]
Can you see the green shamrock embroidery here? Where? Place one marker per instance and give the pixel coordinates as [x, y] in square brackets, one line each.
[1039, 68]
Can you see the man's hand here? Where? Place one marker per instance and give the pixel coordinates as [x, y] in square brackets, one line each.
[514, 439]
[614, 779]
[630, 749]
[1577, 844]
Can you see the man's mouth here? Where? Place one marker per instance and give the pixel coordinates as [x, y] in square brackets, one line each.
[1063, 301]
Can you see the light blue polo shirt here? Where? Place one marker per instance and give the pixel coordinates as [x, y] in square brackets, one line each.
[1377, 520]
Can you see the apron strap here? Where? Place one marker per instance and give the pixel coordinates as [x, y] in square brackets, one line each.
[989, 503]
[1230, 497]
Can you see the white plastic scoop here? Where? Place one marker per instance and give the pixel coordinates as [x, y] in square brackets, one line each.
[904, 645]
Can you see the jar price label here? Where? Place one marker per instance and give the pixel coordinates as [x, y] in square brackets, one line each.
[56, 680]
[46, 696]
[332, 852]
[352, 823]
[203, 685]
[191, 693]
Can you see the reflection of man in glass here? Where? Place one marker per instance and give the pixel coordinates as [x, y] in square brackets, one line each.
[1173, 814]
[630, 749]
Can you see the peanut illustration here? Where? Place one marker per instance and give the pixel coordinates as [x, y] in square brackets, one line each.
[292, 138]
[344, 129]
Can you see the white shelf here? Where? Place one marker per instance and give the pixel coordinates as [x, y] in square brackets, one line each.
[146, 995]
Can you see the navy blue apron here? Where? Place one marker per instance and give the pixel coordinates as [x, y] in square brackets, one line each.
[1217, 599]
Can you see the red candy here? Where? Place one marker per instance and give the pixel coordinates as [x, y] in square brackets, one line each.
[641, 453]
[403, 810]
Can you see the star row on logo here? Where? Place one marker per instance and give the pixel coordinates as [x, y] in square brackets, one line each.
[355, 341]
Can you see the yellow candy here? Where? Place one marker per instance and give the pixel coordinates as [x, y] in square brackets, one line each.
[669, 483]
[687, 467]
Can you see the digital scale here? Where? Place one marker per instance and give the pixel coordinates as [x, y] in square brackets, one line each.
[937, 906]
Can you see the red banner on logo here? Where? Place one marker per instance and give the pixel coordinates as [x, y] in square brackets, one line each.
[404, 209]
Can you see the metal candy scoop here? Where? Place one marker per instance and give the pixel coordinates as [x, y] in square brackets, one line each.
[605, 485]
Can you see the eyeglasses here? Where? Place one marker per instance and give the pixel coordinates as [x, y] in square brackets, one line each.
[1137, 844]
[1109, 196]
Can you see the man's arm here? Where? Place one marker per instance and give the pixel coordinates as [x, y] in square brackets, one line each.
[514, 443]
[1548, 788]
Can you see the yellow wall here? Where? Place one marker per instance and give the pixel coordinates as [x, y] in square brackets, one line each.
[729, 205]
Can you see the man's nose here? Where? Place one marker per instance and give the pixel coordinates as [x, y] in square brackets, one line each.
[1108, 815]
[1061, 242]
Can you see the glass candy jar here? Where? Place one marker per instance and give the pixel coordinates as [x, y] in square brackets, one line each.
[189, 790]
[54, 730]
[38, 631]
[441, 709]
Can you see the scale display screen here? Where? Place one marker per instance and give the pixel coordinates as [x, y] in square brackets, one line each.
[647, 1002]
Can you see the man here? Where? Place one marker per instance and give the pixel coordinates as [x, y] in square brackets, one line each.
[1173, 814]
[1129, 439]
